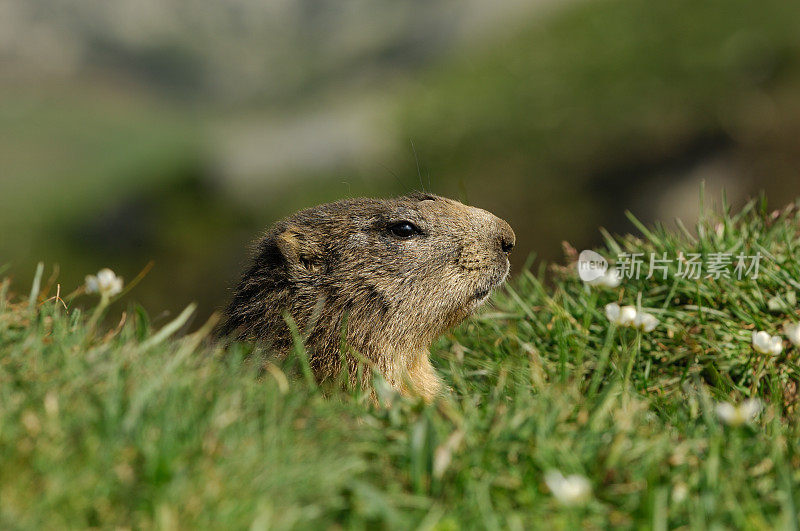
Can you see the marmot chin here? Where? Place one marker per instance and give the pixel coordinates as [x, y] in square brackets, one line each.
[384, 276]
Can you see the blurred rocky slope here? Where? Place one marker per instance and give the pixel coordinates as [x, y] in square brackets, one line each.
[176, 130]
[240, 50]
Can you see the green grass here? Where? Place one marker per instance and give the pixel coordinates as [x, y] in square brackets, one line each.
[141, 426]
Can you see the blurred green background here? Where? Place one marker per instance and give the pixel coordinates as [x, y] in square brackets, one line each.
[177, 131]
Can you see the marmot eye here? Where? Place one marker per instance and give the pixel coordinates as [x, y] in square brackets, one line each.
[403, 229]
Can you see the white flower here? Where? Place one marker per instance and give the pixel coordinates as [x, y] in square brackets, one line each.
[629, 316]
[738, 415]
[624, 316]
[792, 332]
[767, 344]
[609, 279]
[571, 490]
[645, 322]
[106, 283]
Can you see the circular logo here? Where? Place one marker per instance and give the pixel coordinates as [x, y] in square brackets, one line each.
[591, 266]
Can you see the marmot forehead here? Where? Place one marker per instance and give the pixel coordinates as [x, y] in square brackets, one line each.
[368, 206]
[362, 212]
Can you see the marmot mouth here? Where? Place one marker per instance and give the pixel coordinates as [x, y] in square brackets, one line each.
[483, 293]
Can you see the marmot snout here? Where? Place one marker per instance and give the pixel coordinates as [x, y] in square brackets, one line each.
[386, 275]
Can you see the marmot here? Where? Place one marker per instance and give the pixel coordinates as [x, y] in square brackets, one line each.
[384, 276]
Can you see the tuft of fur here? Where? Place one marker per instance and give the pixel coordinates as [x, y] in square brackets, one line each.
[340, 272]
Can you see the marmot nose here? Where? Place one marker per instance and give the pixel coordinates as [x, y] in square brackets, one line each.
[507, 237]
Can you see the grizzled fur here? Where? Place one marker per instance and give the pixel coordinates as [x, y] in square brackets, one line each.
[340, 271]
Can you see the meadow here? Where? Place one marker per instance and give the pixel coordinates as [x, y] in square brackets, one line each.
[559, 415]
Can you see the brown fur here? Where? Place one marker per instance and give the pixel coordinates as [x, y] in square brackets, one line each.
[339, 272]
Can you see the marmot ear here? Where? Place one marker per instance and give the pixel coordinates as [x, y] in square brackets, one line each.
[299, 250]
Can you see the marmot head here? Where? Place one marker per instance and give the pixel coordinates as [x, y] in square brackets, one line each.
[399, 272]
